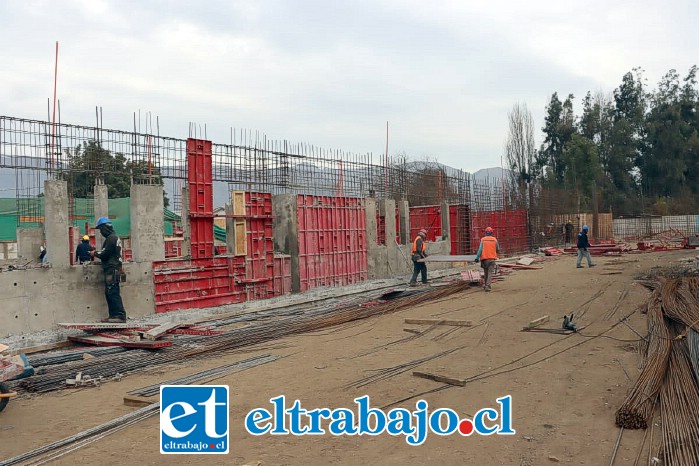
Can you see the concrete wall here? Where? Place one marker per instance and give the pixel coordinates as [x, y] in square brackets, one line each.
[29, 240]
[37, 299]
[147, 229]
[286, 233]
[101, 194]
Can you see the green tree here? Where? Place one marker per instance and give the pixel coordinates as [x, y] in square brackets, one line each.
[559, 126]
[90, 162]
[584, 170]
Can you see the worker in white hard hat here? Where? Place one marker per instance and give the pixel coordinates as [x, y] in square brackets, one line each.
[82, 252]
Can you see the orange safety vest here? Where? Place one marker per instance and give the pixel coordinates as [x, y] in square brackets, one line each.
[415, 244]
[489, 251]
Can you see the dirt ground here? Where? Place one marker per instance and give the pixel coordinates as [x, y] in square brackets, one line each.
[564, 395]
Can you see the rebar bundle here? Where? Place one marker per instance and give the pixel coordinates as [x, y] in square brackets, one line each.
[309, 321]
[638, 407]
[679, 410]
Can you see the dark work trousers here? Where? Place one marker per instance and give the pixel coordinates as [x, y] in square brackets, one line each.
[419, 268]
[488, 269]
[113, 293]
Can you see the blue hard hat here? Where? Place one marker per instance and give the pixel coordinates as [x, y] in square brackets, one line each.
[102, 221]
[585, 227]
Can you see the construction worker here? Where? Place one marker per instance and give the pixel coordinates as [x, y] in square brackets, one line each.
[82, 252]
[487, 255]
[419, 252]
[569, 231]
[110, 255]
[583, 244]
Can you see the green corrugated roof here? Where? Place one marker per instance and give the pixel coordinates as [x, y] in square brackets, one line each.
[119, 214]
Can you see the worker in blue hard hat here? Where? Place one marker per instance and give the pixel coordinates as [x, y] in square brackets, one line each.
[110, 256]
[82, 252]
[583, 244]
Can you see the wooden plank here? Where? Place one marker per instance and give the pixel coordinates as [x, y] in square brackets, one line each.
[412, 330]
[454, 323]
[139, 401]
[39, 348]
[537, 322]
[525, 261]
[440, 378]
[103, 341]
[241, 244]
[161, 330]
[238, 202]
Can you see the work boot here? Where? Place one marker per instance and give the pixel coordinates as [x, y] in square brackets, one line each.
[116, 320]
[592, 265]
[105, 320]
[412, 284]
[487, 287]
[578, 266]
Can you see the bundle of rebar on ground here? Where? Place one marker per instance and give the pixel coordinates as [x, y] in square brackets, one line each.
[255, 333]
[669, 370]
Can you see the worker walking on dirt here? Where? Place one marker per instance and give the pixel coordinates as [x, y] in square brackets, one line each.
[487, 255]
[110, 255]
[419, 252]
[82, 252]
[583, 244]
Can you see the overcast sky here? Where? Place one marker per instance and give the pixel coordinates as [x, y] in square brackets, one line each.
[331, 73]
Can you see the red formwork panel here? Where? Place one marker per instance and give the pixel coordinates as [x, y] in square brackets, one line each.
[259, 262]
[427, 217]
[510, 227]
[459, 229]
[332, 241]
[282, 275]
[198, 283]
[201, 198]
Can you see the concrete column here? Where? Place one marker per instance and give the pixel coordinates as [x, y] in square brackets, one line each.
[404, 218]
[230, 230]
[370, 210]
[101, 195]
[186, 231]
[147, 229]
[388, 210]
[446, 232]
[56, 223]
[286, 233]
[29, 240]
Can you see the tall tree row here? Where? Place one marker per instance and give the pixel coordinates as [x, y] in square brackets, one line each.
[632, 151]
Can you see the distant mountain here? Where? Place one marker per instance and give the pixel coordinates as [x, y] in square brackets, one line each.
[494, 173]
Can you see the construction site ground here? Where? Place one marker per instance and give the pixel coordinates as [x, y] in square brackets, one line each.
[564, 396]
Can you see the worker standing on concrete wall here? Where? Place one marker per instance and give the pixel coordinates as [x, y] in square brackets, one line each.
[82, 252]
[110, 255]
[419, 252]
[487, 254]
[583, 244]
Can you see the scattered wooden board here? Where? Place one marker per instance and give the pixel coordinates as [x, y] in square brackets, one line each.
[39, 348]
[440, 378]
[454, 323]
[537, 322]
[139, 401]
[157, 332]
[525, 261]
[104, 341]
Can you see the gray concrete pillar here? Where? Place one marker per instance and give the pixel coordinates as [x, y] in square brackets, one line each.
[186, 231]
[404, 219]
[370, 210]
[286, 233]
[147, 229]
[56, 223]
[388, 210]
[101, 208]
[29, 240]
[230, 230]
[446, 224]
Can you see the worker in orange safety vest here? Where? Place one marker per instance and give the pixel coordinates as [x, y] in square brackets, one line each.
[419, 252]
[487, 254]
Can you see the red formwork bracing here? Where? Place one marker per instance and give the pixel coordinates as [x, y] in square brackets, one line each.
[428, 218]
[510, 227]
[201, 198]
[459, 229]
[332, 241]
[259, 260]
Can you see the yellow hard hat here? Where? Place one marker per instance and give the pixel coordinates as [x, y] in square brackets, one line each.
[86, 238]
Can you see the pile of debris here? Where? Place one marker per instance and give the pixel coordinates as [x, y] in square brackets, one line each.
[670, 370]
